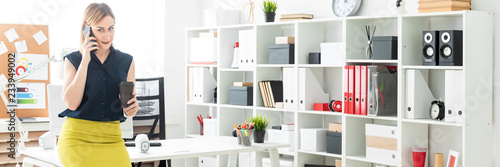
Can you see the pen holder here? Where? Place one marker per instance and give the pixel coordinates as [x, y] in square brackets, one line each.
[244, 137]
[201, 129]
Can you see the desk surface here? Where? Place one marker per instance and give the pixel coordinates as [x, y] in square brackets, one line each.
[171, 149]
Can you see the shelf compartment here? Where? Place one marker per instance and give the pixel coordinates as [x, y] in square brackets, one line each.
[192, 111]
[312, 34]
[355, 33]
[228, 36]
[362, 158]
[227, 79]
[230, 116]
[306, 157]
[369, 61]
[266, 34]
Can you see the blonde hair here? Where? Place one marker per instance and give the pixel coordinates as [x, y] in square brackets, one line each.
[93, 14]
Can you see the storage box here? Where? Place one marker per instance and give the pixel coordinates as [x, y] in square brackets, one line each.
[313, 139]
[321, 107]
[209, 127]
[281, 54]
[285, 40]
[385, 48]
[334, 142]
[382, 142]
[287, 127]
[284, 162]
[338, 163]
[335, 127]
[314, 58]
[281, 136]
[207, 161]
[241, 95]
[219, 17]
[332, 53]
[203, 50]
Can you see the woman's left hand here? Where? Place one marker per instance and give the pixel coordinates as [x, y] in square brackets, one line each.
[133, 108]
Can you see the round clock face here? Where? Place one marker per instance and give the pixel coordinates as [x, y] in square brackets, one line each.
[342, 8]
[434, 111]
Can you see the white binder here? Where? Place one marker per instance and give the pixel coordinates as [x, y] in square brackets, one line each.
[310, 91]
[206, 85]
[418, 95]
[449, 92]
[190, 84]
[459, 96]
[247, 48]
[289, 89]
[196, 81]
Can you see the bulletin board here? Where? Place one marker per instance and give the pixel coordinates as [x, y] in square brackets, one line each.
[31, 36]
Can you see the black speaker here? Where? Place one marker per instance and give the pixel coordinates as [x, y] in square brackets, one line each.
[430, 52]
[450, 47]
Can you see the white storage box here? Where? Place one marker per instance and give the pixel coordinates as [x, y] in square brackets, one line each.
[313, 139]
[284, 162]
[209, 127]
[332, 53]
[203, 50]
[247, 159]
[207, 161]
[287, 127]
[219, 17]
[281, 136]
[382, 142]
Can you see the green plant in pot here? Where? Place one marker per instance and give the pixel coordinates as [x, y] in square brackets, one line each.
[260, 124]
[269, 8]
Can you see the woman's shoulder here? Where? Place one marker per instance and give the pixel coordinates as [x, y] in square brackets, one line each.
[74, 55]
[123, 55]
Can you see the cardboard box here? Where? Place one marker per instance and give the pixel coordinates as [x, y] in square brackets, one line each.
[209, 127]
[285, 40]
[281, 136]
[284, 162]
[338, 163]
[207, 161]
[241, 95]
[382, 142]
[219, 17]
[335, 127]
[313, 139]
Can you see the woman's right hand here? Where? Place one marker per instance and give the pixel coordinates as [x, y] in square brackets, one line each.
[87, 47]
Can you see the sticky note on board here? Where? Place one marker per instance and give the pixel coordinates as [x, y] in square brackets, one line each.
[11, 34]
[21, 46]
[3, 48]
[40, 38]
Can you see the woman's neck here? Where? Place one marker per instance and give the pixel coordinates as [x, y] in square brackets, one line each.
[102, 52]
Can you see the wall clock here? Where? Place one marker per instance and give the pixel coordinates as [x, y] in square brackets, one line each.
[342, 8]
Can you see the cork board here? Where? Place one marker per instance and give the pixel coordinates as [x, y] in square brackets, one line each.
[25, 32]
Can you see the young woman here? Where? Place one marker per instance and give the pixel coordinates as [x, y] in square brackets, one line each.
[91, 135]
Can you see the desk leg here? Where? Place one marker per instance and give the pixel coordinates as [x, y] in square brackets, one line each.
[274, 156]
[231, 160]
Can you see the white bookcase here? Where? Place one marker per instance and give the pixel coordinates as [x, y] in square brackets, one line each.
[472, 138]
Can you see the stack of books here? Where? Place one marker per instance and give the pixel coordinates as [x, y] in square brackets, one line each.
[426, 6]
[272, 93]
[293, 17]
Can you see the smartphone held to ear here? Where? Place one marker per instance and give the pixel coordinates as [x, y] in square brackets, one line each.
[126, 89]
[85, 31]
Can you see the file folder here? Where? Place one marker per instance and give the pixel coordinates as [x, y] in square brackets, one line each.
[459, 96]
[310, 91]
[351, 90]
[357, 90]
[363, 90]
[346, 89]
[449, 92]
[206, 85]
[289, 88]
[418, 95]
[382, 91]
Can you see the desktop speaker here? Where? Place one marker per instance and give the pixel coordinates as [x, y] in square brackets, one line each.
[430, 52]
[142, 142]
[450, 48]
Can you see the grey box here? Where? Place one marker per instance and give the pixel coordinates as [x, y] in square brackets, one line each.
[314, 58]
[241, 95]
[385, 48]
[281, 54]
[334, 142]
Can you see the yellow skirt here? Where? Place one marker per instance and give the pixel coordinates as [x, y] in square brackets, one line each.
[92, 143]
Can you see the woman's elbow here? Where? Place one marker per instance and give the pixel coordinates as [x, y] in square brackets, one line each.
[71, 105]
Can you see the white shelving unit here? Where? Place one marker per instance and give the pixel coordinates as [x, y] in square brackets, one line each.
[471, 138]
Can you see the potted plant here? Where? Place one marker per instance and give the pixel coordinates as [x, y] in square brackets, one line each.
[269, 8]
[260, 124]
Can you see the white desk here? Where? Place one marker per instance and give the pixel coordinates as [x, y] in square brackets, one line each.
[170, 149]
